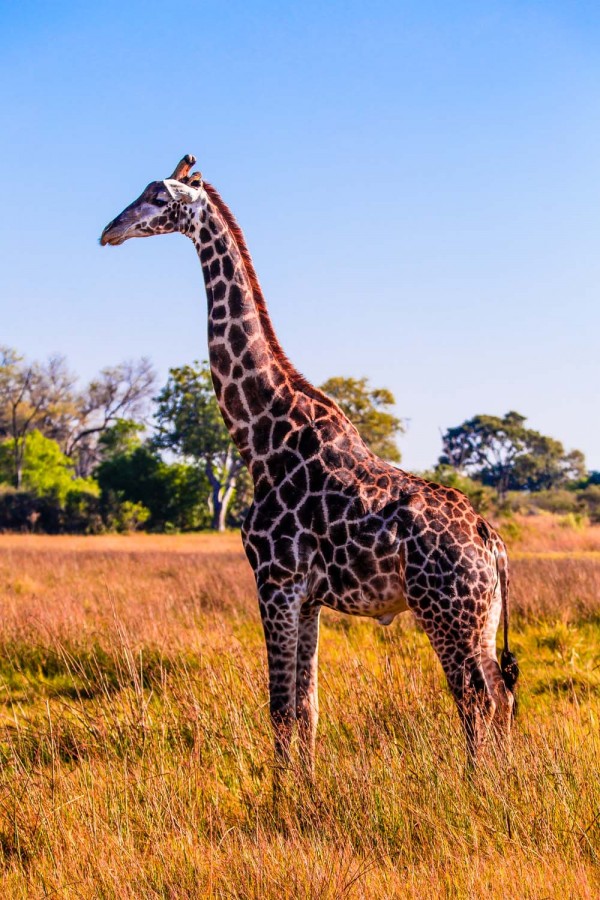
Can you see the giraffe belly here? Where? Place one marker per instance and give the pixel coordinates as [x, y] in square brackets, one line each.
[380, 597]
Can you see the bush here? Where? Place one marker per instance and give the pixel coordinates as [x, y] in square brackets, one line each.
[590, 497]
[579, 504]
[561, 502]
[26, 512]
[131, 516]
[83, 513]
[165, 496]
[511, 531]
[576, 521]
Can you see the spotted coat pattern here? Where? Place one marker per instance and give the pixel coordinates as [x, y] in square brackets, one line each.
[331, 525]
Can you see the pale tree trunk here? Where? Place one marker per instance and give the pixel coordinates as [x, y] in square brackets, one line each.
[222, 489]
[19, 454]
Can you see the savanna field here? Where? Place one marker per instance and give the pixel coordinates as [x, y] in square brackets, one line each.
[136, 745]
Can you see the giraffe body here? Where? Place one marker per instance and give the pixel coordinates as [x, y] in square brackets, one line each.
[331, 524]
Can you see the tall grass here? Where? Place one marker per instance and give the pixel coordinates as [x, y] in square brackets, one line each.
[136, 748]
[550, 534]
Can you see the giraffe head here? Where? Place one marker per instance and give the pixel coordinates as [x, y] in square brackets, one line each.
[162, 208]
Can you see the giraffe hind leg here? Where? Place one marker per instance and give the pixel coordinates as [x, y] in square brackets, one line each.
[459, 651]
[503, 698]
[475, 702]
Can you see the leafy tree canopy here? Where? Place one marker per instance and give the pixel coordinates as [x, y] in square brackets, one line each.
[369, 410]
[504, 453]
[31, 396]
[133, 476]
[119, 439]
[45, 397]
[46, 471]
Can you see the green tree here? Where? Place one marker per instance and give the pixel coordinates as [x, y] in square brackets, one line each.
[120, 439]
[190, 425]
[504, 453]
[133, 478]
[45, 470]
[118, 394]
[369, 410]
[45, 397]
[31, 395]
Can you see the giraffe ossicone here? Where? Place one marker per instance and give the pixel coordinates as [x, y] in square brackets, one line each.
[331, 524]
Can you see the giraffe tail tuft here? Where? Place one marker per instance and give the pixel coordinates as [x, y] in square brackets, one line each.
[510, 669]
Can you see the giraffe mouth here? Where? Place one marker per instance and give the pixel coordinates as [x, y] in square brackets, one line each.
[112, 237]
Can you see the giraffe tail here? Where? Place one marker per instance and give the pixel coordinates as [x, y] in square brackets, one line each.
[508, 661]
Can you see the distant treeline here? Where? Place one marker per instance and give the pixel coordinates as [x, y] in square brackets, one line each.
[120, 455]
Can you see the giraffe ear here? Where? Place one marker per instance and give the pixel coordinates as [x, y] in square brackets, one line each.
[180, 191]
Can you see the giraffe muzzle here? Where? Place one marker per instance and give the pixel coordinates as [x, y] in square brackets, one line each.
[114, 234]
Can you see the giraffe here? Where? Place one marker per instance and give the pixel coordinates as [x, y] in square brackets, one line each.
[331, 524]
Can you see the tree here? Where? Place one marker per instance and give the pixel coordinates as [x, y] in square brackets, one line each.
[120, 439]
[189, 424]
[45, 397]
[31, 396]
[369, 410]
[135, 480]
[546, 465]
[504, 453]
[117, 394]
[45, 470]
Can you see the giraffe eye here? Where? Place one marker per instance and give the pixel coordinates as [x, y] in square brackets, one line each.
[158, 202]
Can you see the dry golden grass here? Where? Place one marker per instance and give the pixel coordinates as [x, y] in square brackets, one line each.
[136, 747]
[548, 534]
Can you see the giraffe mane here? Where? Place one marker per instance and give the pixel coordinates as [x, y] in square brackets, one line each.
[297, 379]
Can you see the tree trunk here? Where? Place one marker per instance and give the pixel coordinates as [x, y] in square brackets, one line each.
[222, 515]
[217, 506]
[218, 509]
[222, 491]
[19, 453]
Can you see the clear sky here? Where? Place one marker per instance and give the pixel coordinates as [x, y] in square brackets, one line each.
[419, 185]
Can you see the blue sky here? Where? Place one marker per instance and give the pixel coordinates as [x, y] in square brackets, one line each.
[418, 183]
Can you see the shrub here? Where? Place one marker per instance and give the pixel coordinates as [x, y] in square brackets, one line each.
[27, 512]
[131, 516]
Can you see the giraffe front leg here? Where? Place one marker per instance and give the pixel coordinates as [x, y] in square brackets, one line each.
[280, 613]
[307, 690]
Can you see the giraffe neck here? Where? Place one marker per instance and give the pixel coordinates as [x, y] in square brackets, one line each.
[260, 393]
[250, 371]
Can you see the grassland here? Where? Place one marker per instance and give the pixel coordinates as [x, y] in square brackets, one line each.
[135, 743]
